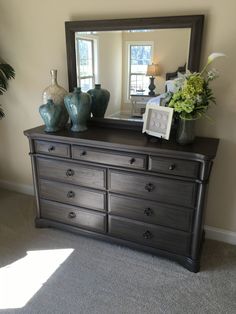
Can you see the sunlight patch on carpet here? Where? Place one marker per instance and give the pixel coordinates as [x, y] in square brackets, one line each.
[20, 280]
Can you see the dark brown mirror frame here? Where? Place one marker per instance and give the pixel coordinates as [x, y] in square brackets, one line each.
[194, 22]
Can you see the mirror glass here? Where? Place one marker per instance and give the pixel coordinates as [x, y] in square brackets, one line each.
[118, 60]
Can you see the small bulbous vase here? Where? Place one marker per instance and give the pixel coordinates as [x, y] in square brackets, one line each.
[100, 99]
[186, 132]
[53, 116]
[78, 105]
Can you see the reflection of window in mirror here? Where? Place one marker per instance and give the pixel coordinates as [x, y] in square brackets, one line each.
[139, 56]
[86, 58]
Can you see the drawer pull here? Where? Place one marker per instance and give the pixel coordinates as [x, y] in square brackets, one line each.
[72, 215]
[150, 187]
[83, 153]
[147, 235]
[71, 194]
[51, 148]
[172, 167]
[70, 173]
[132, 161]
[148, 211]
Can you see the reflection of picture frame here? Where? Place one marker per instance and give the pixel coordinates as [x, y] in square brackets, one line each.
[157, 121]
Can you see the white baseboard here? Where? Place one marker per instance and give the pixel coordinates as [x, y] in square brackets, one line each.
[18, 187]
[220, 235]
[211, 232]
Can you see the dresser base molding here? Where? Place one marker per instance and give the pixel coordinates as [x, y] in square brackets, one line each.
[187, 262]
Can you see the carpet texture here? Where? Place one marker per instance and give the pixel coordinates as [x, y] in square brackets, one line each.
[98, 277]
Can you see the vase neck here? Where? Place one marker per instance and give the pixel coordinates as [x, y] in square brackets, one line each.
[77, 90]
[50, 102]
[54, 77]
[98, 86]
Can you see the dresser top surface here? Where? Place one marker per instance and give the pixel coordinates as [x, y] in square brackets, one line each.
[202, 148]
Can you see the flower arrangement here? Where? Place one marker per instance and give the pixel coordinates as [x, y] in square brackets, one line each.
[193, 94]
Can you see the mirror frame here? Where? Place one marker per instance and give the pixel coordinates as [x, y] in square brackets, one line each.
[194, 22]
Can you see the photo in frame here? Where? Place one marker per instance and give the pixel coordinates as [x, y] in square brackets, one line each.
[157, 121]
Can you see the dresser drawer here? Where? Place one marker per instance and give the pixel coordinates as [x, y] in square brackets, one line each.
[178, 167]
[134, 161]
[150, 212]
[52, 148]
[72, 173]
[73, 216]
[71, 194]
[165, 190]
[150, 235]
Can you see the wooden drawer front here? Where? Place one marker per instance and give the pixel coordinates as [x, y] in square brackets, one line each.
[150, 212]
[165, 190]
[52, 148]
[150, 235]
[73, 216]
[72, 173]
[71, 194]
[178, 167]
[110, 158]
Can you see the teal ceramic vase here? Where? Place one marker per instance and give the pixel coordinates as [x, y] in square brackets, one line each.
[186, 132]
[100, 99]
[54, 116]
[78, 105]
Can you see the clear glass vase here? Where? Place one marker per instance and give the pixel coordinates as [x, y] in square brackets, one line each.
[186, 132]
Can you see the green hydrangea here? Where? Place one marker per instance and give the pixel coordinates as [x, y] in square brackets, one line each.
[192, 99]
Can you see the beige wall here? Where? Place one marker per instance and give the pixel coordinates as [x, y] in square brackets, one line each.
[110, 72]
[32, 40]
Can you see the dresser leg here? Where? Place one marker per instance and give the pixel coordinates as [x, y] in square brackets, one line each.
[192, 265]
[39, 223]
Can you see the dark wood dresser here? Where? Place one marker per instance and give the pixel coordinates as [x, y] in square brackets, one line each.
[117, 185]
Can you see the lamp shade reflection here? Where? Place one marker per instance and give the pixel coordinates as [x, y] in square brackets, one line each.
[152, 72]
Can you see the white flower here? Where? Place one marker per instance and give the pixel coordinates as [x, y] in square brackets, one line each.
[212, 74]
[214, 55]
[211, 58]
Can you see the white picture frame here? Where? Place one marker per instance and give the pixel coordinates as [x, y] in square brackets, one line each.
[157, 121]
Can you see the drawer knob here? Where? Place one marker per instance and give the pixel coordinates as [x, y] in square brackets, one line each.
[51, 148]
[71, 215]
[70, 173]
[149, 187]
[132, 161]
[83, 153]
[71, 194]
[172, 167]
[148, 211]
[147, 235]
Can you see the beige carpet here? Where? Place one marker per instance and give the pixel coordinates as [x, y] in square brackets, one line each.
[90, 276]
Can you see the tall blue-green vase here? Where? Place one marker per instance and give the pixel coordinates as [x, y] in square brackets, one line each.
[55, 116]
[100, 100]
[78, 105]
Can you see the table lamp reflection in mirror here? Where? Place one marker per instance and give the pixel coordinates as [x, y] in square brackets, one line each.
[152, 72]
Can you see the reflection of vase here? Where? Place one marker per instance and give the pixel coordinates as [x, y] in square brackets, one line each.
[186, 131]
[100, 99]
[53, 116]
[56, 93]
[78, 105]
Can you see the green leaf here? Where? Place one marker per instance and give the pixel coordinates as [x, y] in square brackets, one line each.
[2, 114]
[6, 73]
[7, 70]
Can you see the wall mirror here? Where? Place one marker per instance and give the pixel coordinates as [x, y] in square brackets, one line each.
[128, 56]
